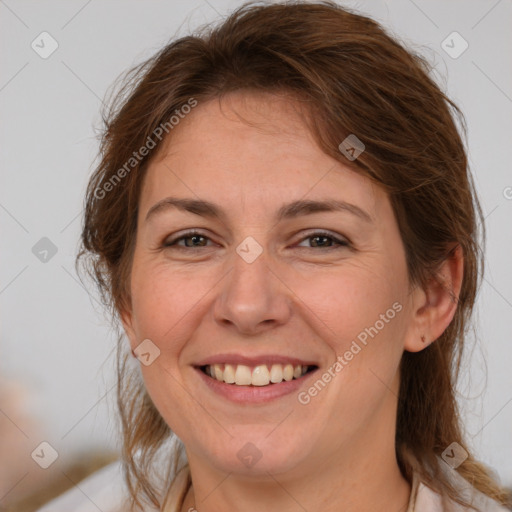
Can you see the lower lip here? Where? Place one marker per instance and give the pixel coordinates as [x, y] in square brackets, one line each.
[254, 394]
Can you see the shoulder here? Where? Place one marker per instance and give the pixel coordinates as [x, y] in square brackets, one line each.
[428, 500]
[104, 490]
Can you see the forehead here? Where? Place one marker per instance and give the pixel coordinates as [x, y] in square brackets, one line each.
[253, 148]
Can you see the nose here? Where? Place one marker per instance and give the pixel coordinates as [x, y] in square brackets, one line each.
[252, 298]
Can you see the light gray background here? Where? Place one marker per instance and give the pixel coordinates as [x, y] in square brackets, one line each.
[54, 337]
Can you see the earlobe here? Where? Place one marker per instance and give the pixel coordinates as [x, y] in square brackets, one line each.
[435, 304]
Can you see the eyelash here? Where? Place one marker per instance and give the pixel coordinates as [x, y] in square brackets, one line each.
[341, 243]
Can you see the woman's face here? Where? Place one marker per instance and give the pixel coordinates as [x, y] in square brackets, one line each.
[266, 282]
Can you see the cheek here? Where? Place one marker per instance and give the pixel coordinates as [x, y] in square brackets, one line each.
[164, 305]
[364, 312]
[164, 299]
[353, 300]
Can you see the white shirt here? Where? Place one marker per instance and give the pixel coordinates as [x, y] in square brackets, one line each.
[105, 490]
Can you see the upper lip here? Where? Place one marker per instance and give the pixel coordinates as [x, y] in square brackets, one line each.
[254, 360]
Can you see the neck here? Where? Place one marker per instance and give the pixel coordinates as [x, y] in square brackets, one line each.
[328, 490]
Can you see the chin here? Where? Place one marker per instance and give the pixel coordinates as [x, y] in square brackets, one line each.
[243, 456]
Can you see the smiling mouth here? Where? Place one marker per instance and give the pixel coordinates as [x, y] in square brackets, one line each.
[260, 375]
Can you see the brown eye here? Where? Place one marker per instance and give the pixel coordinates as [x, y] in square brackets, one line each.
[325, 240]
[191, 240]
[196, 240]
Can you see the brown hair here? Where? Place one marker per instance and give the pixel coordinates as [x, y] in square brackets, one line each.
[353, 78]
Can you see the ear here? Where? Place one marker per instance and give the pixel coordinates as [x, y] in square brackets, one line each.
[434, 305]
[127, 321]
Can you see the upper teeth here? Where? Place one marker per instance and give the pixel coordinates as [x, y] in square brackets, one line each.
[243, 375]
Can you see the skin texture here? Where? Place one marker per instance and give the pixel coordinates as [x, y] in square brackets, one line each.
[303, 297]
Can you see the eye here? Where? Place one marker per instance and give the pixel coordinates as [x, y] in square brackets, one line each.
[322, 237]
[196, 239]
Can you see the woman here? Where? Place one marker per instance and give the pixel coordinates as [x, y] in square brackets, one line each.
[284, 223]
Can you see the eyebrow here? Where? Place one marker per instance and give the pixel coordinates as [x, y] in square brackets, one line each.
[287, 211]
